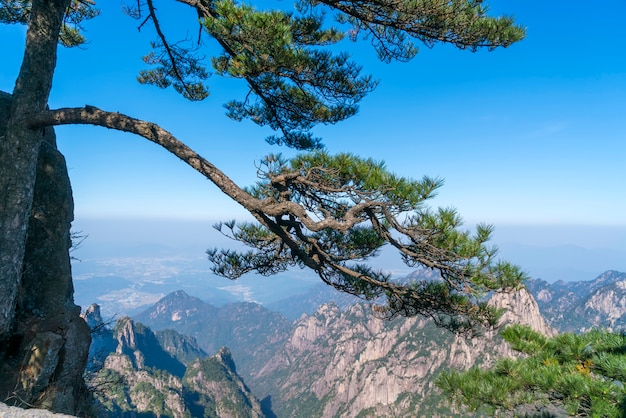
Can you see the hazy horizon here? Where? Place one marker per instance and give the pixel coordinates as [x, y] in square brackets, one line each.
[549, 252]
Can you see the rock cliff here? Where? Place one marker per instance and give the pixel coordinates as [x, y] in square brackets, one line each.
[521, 308]
[43, 359]
[580, 306]
[213, 388]
[349, 363]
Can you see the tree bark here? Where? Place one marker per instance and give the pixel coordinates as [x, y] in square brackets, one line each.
[19, 148]
[91, 115]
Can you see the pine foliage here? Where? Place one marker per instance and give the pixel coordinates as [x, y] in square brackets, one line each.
[18, 11]
[350, 208]
[295, 79]
[329, 213]
[580, 374]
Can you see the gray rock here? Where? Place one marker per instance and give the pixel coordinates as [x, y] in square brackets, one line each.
[15, 412]
[43, 359]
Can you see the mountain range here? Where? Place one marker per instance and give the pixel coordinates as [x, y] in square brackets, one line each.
[319, 359]
[581, 305]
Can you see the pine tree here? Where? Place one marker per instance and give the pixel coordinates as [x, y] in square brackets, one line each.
[328, 213]
[573, 374]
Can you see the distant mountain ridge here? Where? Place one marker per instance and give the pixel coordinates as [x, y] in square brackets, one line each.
[338, 362]
[582, 305]
[248, 329]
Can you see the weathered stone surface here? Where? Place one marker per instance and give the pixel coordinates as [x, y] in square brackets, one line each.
[102, 341]
[14, 412]
[40, 362]
[221, 391]
[154, 386]
[349, 363]
[583, 305]
[521, 308]
[45, 355]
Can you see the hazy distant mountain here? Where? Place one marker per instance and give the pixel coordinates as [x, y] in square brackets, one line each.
[581, 305]
[128, 268]
[563, 262]
[125, 286]
[179, 311]
[295, 306]
[308, 302]
[249, 330]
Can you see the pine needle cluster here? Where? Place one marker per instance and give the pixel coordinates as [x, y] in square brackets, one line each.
[579, 374]
[333, 213]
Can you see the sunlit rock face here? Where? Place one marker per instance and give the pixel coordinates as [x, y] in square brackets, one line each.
[521, 308]
[348, 362]
[15, 412]
[167, 374]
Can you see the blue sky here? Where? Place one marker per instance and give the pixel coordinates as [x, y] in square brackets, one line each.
[530, 135]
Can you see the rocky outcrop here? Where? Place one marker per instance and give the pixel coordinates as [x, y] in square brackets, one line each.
[349, 363]
[580, 306]
[520, 307]
[141, 346]
[14, 412]
[182, 347]
[102, 341]
[342, 363]
[44, 357]
[213, 388]
[140, 377]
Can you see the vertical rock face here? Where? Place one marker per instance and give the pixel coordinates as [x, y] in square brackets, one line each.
[521, 308]
[213, 388]
[102, 342]
[44, 358]
[581, 306]
[93, 317]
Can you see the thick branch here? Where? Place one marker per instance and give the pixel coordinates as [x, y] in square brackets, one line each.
[90, 115]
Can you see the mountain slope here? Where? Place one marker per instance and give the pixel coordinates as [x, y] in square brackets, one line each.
[142, 377]
[249, 330]
[212, 388]
[580, 306]
[349, 363]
